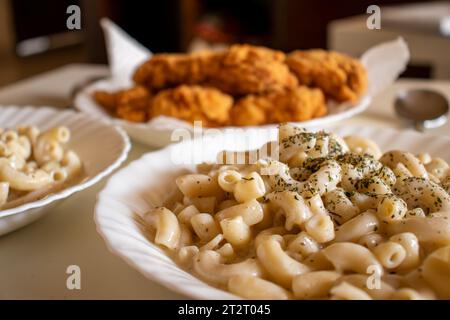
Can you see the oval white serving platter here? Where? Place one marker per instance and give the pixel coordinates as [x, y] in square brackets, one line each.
[146, 182]
[101, 146]
[157, 132]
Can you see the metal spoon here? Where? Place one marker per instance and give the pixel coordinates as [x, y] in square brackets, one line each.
[425, 108]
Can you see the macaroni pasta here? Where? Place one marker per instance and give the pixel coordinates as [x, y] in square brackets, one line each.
[34, 164]
[332, 218]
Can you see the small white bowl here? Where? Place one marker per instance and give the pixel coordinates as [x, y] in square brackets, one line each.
[147, 182]
[101, 147]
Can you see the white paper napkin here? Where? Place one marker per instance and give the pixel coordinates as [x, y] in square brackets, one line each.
[384, 63]
[124, 52]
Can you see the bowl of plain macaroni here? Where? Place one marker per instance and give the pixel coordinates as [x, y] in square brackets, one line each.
[354, 213]
[47, 155]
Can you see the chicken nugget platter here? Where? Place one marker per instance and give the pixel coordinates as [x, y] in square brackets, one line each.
[246, 86]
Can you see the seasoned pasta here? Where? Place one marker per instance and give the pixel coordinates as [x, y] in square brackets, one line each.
[329, 218]
[34, 164]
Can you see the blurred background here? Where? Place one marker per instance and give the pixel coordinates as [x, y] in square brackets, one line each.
[34, 37]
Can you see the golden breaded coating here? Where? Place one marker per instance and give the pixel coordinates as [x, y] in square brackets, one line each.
[341, 77]
[246, 69]
[299, 104]
[251, 110]
[106, 99]
[131, 104]
[271, 87]
[239, 70]
[194, 103]
[245, 52]
[134, 104]
[166, 70]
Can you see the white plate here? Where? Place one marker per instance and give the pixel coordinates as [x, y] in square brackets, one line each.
[101, 147]
[145, 183]
[157, 132]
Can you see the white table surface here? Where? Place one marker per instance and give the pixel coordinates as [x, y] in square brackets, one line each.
[33, 260]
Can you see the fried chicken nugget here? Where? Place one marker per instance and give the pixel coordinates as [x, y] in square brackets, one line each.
[168, 70]
[134, 104]
[299, 104]
[194, 103]
[239, 70]
[106, 99]
[131, 104]
[245, 69]
[341, 77]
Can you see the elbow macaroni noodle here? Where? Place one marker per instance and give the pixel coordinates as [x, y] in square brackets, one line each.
[34, 164]
[333, 218]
